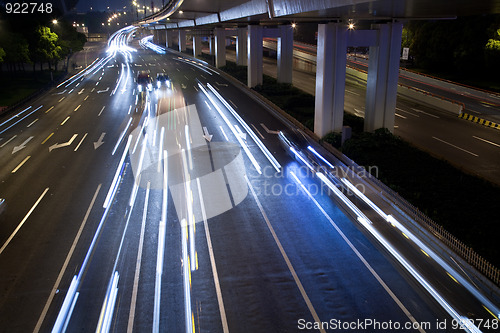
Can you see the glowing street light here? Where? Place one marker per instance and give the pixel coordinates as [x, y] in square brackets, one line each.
[54, 21]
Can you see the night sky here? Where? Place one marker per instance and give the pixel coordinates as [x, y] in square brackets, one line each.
[101, 5]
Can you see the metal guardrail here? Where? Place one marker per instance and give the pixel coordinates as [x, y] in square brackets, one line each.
[453, 243]
[457, 246]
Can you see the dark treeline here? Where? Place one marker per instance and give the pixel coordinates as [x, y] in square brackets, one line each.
[36, 40]
[467, 47]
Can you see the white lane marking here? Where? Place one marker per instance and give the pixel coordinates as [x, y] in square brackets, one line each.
[255, 128]
[222, 311]
[360, 256]
[65, 120]
[62, 99]
[135, 287]
[408, 112]
[101, 111]
[268, 130]
[235, 106]
[34, 121]
[352, 92]
[285, 257]
[428, 114]
[400, 116]
[23, 221]
[6, 142]
[223, 133]
[65, 265]
[49, 109]
[487, 141]
[78, 107]
[78, 146]
[195, 87]
[20, 165]
[450, 144]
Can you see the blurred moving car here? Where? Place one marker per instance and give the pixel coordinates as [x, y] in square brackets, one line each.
[144, 81]
[162, 80]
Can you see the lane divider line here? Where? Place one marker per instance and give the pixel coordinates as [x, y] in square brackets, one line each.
[23, 221]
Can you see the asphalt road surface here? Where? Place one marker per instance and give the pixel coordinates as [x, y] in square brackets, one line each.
[160, 211]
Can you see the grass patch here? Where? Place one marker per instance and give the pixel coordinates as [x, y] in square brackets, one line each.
[463, 204]
[16, 87]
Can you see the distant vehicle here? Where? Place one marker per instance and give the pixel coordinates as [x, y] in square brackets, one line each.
[162, 80]
[144, 81]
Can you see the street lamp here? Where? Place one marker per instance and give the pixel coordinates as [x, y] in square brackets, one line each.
[54, 21]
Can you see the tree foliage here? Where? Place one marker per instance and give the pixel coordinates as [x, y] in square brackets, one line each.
[465, 46]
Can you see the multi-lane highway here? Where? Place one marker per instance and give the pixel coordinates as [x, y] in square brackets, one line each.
[469, 146]
[180, 209]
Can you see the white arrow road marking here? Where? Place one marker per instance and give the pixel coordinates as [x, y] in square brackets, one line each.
[22, 145]
[183, 86]
[268, 130]
[207, 135]
[81, 91]
[240, 133]
[60, 145]
[99, 142]
[103, 91]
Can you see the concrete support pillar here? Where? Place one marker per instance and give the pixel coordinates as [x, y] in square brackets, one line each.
[241, 47]
[211, 44]
[285, 54]
[330, 78]
[182, 40]
[382, 82]
[169, 38]
[254, 55]
[220, 47]
[196, 46]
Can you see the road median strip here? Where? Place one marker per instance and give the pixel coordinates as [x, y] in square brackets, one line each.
[479, 121]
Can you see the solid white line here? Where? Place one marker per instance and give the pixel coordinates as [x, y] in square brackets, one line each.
[410, 113]
[287, 260]
[135, 288]
[65, 265]
[222, 311]
[400, 116]
[23, 221]
[420, 111]
[21, 164]
[352, 92]
[468, 152]
[81, 141]
[487, 141]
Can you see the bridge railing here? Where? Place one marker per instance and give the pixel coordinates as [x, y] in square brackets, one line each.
[453, 243]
